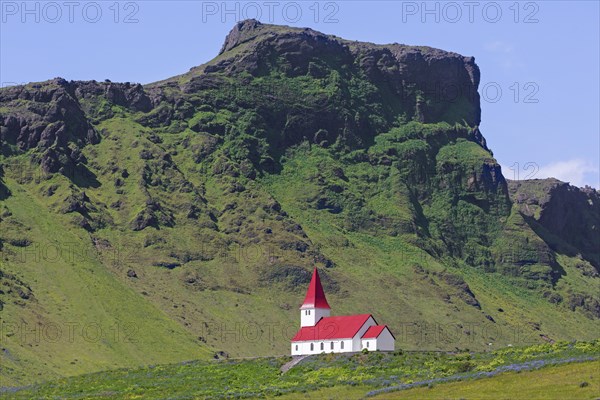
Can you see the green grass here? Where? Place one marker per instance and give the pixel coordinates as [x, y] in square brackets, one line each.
[81, 318]
[318, 375]
[573, 381]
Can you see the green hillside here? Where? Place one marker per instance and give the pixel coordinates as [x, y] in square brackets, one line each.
[180, 220]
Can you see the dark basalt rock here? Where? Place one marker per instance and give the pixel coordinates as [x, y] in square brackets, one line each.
[131, 96]
[50, 120]
[76, 202]
[13, 287]
[464, 291]
[131, 273]
[144, 219]
[203, 82]
[153, 215]
[166, 264]
[430, 84]
[564, 211]
[54, 115]
[240, 33]
[588, 304]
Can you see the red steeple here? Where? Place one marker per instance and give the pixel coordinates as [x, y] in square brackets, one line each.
[315, 297]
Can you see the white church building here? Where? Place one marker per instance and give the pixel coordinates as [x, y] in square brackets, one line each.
[321, 333]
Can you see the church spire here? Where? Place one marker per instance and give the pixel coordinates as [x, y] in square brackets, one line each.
[315, 296]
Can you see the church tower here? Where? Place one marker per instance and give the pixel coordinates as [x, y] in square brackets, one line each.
[315, 304]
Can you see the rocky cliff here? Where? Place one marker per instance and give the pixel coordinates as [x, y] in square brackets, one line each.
[569, 217]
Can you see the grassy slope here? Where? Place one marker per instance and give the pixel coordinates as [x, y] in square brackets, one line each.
[317, 376]
[83, 317]
[558, 382]
[555, 382]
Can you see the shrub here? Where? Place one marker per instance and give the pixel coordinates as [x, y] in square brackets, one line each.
[465, 366]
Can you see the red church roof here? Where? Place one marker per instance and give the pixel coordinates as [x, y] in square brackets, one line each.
[315, 297]
[344, 327]
[374, 331]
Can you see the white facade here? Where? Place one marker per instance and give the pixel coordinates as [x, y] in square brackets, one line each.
[356, 340]
[369, 344]
[329, 346]
[384, 342]
[309, 316]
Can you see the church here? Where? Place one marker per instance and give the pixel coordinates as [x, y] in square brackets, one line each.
[321, 333]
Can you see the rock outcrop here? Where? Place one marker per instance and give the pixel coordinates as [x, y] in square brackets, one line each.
[562, 211]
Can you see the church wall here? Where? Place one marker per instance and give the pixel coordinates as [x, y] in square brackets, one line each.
[357, 341]
[385, 341]
[310, 316]
[304, 347]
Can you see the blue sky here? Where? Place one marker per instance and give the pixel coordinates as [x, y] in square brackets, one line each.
[539, 61]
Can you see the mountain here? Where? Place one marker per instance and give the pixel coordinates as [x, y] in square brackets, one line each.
[181, 219]
[566, 217]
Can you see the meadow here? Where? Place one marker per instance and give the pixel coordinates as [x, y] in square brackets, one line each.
[367, 374]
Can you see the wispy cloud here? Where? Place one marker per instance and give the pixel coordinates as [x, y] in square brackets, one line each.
[499, 46]
[504, 54]
[577, 172]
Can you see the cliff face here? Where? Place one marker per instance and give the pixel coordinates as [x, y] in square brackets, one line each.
[44, 116]
[56, 118]
[563, 212]
[211, 195]
[433, 84]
